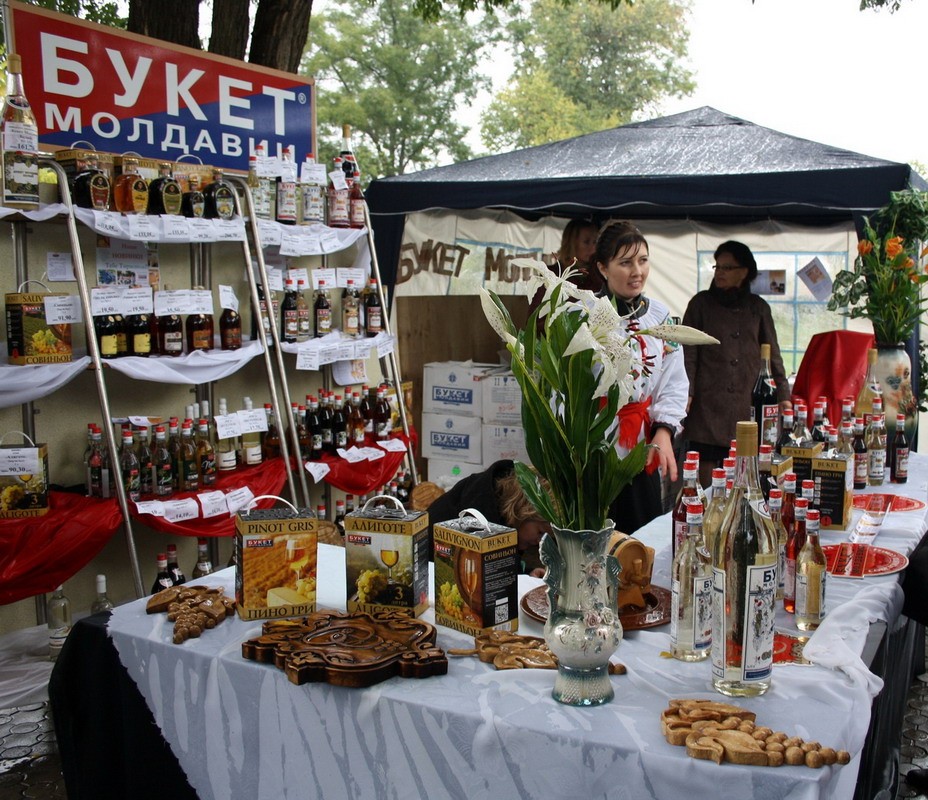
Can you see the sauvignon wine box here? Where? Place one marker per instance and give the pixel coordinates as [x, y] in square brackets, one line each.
[275, 563]
[476, 575]
[30, 338]
[834, 489]
[23, 480]
[387, 558]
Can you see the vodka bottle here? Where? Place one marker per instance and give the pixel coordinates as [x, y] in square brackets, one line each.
[775, 503]
[19, 139]
[204, 566]
[810, 577]
[796, 538]
[58, 614]
[173, 567]
[102, 601]
[745, 582]
[691, 593]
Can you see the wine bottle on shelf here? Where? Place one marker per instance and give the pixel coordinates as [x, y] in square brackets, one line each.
[163, 465]
[230, 330]
[130, 190]
[811, 569]
[206, 455]
[870, 389]
[102, 601]
[691, 592]
[775, 504]
[745, 581]
[163, 579]
[19, 139]
[58, 614]
[251, 442]
[322, 312]
[373, 310]
[91, 188]
[218, 198]
[193, 201]
[796, 538]
[899, 453]
[270, 441]
[204, 565]
[177, 574]
[688, 494]
[164, 192]
[129, 467]
[304, 330]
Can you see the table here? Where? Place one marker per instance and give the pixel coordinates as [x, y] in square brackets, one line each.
[240, 729]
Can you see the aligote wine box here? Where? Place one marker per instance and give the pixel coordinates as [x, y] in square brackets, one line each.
[476, 575]
[387, 558]
[275, 563]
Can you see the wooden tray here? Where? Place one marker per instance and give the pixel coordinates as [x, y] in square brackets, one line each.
[349, 649]
[535, 604]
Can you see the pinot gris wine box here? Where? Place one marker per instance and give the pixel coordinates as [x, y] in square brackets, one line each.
[23, 480]
[275, 563]
[476, 574]
[387, 557]
[834, 489]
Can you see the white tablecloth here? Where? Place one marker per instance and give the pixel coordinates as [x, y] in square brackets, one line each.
[242, 730]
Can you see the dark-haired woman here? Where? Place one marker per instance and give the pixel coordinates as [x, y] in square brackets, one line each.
[721, 378]
[658, 401]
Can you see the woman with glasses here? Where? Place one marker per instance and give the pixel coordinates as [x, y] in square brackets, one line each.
[721, 378]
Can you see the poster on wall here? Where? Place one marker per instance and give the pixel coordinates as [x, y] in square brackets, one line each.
[118, 92]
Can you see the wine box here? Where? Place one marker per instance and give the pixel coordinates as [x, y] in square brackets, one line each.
[802, 459]
[387, 558]
[23, 480]
[275, 563]
[30, 339]
[834, 489]
[476, 576]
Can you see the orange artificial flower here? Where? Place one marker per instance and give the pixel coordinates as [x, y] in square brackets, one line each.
[864, 247]
[893, 246]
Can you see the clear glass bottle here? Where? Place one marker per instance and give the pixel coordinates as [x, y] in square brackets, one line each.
[775, 504]
[691, 592]
[204, 566]
[102, 601]
[811, 571]
[177, 574]
[869, 390]
[163, 579]
[745, 581]
[251, 442]
[58, 614]
[19, 135]
[796, 538]
[129, 469]
[130, 192]
[876, 451]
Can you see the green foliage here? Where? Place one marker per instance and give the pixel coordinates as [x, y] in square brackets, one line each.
[591, 66]
[396, 79]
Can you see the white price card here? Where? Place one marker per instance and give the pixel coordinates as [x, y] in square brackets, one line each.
[326, 274]
[59, 267]
[312, 173]
[63, 310]
[153, 507]
[254, 421]
[227, 298]
[201, 230]
[355, 274]
[138, 300]
[230, 230]
[270, 232]
[175, 227]
[318, 470]
[239, 498]
[213, 504]
[337, 177]
[385, 342]
[227, 426]
[106, 222]
[201, 301]
[105, 301]
[329, 241]
[275, 278]
[178, 510]
[19, 461]
[291, 244]
[307, 358]
[299, 274]
[144, 228]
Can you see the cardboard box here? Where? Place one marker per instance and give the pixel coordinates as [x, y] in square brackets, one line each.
[23, 480]
[802, 459]
[387, 558]
[476, 576]
[502, 399]
[452, 437]
[834, 490]
[453, 387]
[503, 441]
[275, 563]
[29, 337]
[446, 473]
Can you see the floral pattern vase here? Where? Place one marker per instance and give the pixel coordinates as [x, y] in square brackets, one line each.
[894, 371]
[583, 628]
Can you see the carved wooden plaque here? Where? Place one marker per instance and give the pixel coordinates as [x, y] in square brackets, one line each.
[349, 649]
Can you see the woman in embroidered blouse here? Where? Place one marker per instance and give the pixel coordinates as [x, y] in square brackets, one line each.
[658, 402]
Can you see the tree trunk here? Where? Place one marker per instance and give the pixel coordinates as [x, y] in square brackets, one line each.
[279, 35]
[230, 28]
[171, 20]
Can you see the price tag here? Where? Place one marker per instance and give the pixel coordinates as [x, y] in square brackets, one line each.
[326, 274]
[239, 498]
[385, 344]
[227, 426]
[144, 228]
[337, 177]
[213, 504]
[275, 278]
[230, 230]
[175, 227]
[201, 301]
[105, 301]
[345, 350]
[138, 300]
[178, 510]
[59, 267]
[312, 173]
[291, 244]
[355, 274]
[63, 310]
[19, 461]
[270, 232]
[307, 358]
[108, 223]
[227, 298]
[329, 241]
[318, 470]
[297, 275]
[201, 230]
[171, 302]
[153, 507]
[328, 354]
[254, 421]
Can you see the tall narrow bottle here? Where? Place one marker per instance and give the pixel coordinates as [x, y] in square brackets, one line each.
[899, 453]
[870, 389]
[19, 139]
[745, 581]
[251, 442]
[691, 593]
[765, 410]
[796, 538]
[811, 569]
[58, 614]
[688, 494]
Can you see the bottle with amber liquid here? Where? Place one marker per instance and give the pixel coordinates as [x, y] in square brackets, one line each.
[19, 138]
[219, 198]
[230, 329]
[811, 570]
[138, 334]
[199, 330]
[193, 202]
[164, 193]
[688, 494]
[91, 186]
[130, 192]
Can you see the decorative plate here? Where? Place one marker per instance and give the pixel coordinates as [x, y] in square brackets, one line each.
[899, 502]
[349, 649]
[855, 560]
[535, 604]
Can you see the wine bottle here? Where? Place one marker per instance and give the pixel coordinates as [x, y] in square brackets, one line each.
[811, 570]
[102, 601]
[869, 390]
[691, 592]
[204, 565]
[899, 453]
[130, 191]
[164, 192]
[173, 567]
[19, 138]
[795, 539]
[58, 614]
[745, 581]
[765, 410]
[163, 579]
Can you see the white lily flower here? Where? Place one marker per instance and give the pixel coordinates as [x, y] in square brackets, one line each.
[681, 334]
